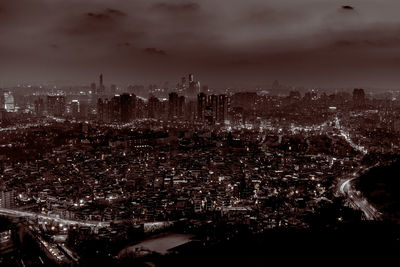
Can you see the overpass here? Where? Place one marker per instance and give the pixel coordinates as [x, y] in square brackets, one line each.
[33, 215]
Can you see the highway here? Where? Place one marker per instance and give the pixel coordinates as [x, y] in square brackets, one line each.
[346, 136]
[355, 199]
[346, 187]
[33, 215]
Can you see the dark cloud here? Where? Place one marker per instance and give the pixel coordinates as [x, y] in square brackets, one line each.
[174, 7]
[154, 51]
[108, 13]
[115, 12]
[347, 7]
[95, 22]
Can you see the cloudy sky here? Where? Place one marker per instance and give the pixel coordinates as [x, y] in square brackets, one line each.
[325, 43]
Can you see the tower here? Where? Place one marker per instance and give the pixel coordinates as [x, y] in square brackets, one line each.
[101, 86]
[191, 78]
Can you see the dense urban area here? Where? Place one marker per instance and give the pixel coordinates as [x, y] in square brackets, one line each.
[131, 174]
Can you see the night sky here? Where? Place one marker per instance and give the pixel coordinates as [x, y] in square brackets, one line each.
[325, 43]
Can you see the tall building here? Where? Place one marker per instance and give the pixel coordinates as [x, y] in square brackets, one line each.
[7, 199]
[55, 105]
[39, 107]
[212, 105]
[175, 106]
[222, 108]
[201, 105]
[75, 108]
[102, 110]
[141, 109]
[128, 106]
[7, 101]
[2, 100]
[194, 88]
[101, 90]
[9, 104]
[190, 111]
[93, 88]
[212, 108]
[120, 108]
[154, 108]
[191, 78]
[358, 98]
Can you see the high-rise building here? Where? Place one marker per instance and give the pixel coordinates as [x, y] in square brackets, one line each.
[358, 98]
[120, 108]
[141, 111]
[2, 100]
[7, 199]
[7, 101]
[100, 110]
[39, 107]
[56, 105]
[114, 109]
[154, 108]
[175, 106]
[101, 90]
[212, 104]
[93, 88]
[194, 88]
[9, 104]
[222, 108]
[75, 108]
[201, 105]
[128, 106]
[212, 108]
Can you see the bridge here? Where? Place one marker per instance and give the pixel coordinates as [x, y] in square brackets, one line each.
[33, 215]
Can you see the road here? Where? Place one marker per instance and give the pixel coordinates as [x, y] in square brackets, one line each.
[33, 215]
[346, 136]
[355, 199]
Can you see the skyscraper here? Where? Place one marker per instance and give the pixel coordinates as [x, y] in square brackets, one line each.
[128, 105]
[176, 106]
[75, 108]
[193, 89]
[212, 108]
[358, 98]
[154, 108]
[93, 88]
[222, 108]
[39, 107]
[56, 105]
[201, 105]
[120, 108]
[101, 85]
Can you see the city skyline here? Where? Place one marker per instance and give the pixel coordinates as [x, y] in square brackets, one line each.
[199, 133]
[228, 44]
